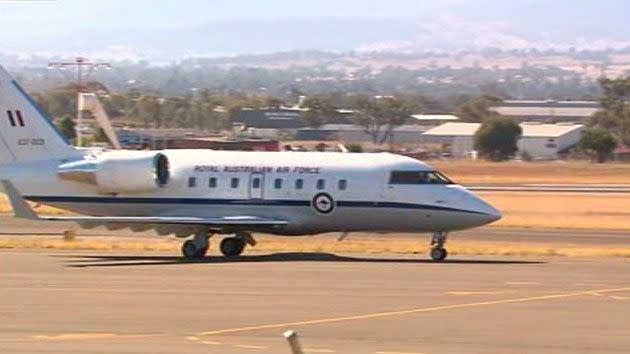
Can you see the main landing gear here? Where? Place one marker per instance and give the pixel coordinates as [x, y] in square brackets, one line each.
[197, 247]
[232, 246]
[438, 252]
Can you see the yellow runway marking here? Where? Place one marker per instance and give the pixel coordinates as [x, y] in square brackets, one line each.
[480, 292]
[412, 311]
[192, 338]
[75, 336]
[619, 297]
[399, 353]
[86, 336]
[209, 342]
[319, 350]
[521, 283]
[249, 346]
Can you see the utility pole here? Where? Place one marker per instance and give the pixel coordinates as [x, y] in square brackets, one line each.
[79, 63]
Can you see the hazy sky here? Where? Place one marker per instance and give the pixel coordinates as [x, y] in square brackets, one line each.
[32, 25]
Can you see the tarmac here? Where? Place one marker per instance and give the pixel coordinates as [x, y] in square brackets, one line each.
[57, 301]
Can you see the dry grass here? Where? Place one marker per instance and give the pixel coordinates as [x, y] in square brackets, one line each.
[562, 210]
[326, 244]
[5, 208]
[473, 172]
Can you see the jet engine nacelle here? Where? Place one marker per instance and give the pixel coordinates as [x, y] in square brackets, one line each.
[117, 172]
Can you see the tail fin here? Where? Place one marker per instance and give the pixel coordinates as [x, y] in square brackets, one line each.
[26, 132]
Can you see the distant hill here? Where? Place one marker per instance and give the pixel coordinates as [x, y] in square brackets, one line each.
[472, 25]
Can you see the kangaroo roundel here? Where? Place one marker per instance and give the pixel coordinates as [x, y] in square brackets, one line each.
[323, 203]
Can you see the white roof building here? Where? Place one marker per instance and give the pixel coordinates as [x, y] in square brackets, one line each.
[434, 118]
[541, 141]
[547, 110]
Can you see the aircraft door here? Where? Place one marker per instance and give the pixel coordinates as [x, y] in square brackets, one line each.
[256, 185]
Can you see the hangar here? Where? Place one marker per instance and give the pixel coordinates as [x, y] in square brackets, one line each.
[541, 141]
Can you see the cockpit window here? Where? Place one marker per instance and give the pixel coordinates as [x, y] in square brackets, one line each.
[418, 177]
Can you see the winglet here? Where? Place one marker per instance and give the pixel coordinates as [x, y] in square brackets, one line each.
[20, 207]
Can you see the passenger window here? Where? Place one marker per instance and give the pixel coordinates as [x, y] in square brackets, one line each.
[277, 183]
[299, 183]
[212, 182]
[321, 184]
[234, 182]
[192, 182]
[255, 183]
[418, 177]
[342, 185]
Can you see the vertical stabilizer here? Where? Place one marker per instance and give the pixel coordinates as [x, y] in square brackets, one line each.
[26, 132]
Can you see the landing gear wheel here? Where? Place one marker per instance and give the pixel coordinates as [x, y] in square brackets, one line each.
[191, 251]
[232, 246]
[438, 254]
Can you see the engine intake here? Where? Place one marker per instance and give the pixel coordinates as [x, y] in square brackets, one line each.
[115, 172]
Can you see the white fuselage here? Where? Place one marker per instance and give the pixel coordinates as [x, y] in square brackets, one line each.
[315, 192]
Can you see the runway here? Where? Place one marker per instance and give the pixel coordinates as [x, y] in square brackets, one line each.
[120, 302]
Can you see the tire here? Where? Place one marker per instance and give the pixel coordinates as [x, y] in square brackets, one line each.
[190, 250]
[232, 246]
[438, 254]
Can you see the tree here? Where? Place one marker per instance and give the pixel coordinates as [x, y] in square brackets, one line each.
[379, 116]
[173, 113]
[317, 111]
[100, 136]
[147, 110]
[477, 109]
[67, 127]
[615, 113]
[598, 142]
[497, 137]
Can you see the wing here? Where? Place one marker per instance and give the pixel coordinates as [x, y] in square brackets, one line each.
[23, 210]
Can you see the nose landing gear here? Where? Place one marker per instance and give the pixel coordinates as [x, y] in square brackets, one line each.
[438, 252]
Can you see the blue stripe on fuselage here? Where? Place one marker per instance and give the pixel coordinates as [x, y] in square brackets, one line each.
[214, 201]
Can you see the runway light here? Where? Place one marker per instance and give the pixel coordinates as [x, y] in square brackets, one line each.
[294, 343]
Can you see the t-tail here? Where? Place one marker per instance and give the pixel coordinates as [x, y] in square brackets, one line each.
[27, 133]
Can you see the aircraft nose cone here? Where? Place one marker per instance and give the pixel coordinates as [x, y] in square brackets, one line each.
[486, 212]
[493, 214]
[480, 211]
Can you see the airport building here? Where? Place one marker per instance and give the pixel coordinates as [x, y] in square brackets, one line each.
[350, 133]
[274, 123]
[189, 139]
[541, 141]
[548, 111]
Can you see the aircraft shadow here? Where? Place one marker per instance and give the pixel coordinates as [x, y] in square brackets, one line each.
[87, 261]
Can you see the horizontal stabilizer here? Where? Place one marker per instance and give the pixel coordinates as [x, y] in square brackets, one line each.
[19, 205]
